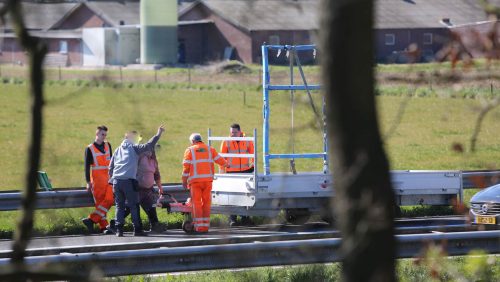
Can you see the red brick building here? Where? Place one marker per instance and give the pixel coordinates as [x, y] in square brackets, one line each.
[246, 24]
[60, 25]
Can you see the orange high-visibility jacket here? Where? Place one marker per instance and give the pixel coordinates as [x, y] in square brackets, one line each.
[238, 147]
[199, 162]
[99, 173]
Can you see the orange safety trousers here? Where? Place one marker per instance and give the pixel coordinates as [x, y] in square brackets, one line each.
[201, 198]
[103, 198]
[101, 189]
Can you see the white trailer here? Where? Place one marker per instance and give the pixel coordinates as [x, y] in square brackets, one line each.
[264, 193]
[303, 194]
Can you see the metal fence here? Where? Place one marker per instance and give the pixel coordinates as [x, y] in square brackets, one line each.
[65, 198]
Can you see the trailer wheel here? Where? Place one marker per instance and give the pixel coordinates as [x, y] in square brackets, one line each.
[188, 226]
[397, 211]
[297, 216]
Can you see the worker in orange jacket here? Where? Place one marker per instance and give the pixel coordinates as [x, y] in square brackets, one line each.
[238, 165]
[197, 176]
[97, 157]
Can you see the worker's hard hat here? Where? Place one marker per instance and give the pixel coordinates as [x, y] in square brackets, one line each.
[195, 137]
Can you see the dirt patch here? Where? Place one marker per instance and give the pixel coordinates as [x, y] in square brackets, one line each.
[231, 67]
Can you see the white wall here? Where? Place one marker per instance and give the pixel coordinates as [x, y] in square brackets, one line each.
[111, 46]
[93, 47]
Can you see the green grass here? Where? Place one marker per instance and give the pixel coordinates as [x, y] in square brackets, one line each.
[433, 121]
[67, 221]
[473, 268]
[423, 140]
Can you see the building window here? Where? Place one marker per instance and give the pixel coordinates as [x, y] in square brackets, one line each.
[63, 47]
[274, 40]
[390, 39]
[427, 38]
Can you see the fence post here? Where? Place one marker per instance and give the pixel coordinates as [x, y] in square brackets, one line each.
[59, 72]
[156, 75]
[189, 75]
[121, 75]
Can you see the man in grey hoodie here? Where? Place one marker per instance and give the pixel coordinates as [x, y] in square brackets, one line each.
[122, 174]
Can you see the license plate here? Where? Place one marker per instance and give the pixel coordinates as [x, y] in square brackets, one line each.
[485, 220]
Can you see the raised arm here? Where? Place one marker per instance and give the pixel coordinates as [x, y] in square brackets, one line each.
[149, 146]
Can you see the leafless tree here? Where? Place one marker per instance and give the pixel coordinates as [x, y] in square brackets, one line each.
[36, 51]
[364, 199]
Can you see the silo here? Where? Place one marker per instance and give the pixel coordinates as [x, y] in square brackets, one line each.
[158, 31]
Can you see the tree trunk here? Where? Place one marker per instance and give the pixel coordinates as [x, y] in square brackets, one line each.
[364, 199]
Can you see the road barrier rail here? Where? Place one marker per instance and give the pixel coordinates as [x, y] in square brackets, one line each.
[79, 197]
[243, 255]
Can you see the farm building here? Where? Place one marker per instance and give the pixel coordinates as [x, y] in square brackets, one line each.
[246, 25]
[62, 26]
[211, 30]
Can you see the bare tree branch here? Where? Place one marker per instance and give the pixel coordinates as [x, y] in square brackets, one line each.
[36, 51]
[479, 121]
[399, 116]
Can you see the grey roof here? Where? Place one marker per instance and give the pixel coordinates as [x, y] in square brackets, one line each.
[269, 14]
[42, 16]
[304, 14]
[60, 34]
[114, 12]
[427, 13]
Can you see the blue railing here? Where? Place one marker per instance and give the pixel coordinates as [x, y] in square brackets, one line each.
[267, 87]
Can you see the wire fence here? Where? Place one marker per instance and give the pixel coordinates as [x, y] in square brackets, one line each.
[212, 74]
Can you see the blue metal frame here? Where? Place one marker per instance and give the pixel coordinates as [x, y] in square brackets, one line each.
[266, 88]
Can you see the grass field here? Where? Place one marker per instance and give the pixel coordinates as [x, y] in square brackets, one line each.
[434, 119]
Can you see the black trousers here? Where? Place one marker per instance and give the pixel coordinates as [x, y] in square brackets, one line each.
[147, 197]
